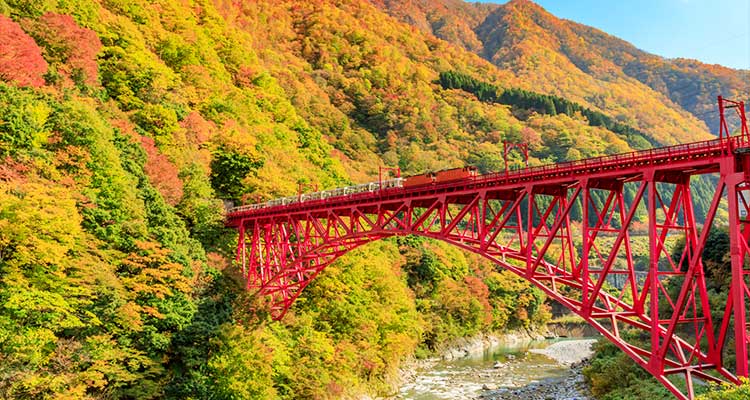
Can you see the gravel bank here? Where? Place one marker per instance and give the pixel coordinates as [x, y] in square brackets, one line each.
[569, 387]
[568, 352]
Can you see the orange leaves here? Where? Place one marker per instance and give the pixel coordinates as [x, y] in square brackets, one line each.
[530, 136]
[199, 130]
[162, 174]
[21, 59]
[217, 261]
[481, 292]
[458, 303]
[149, 272]
[244, 76]
[129, 316]
[238, 137]
[74, 160]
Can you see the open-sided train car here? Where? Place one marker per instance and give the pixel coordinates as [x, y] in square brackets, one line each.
[430, 178]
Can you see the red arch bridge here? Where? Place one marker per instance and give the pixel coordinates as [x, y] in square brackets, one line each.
[521, 220]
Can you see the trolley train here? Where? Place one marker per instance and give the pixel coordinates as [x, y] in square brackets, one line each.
[429, 178]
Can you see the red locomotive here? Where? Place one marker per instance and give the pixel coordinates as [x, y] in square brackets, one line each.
[446, 175]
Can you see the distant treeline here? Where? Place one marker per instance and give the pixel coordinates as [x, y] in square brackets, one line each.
[542, 103]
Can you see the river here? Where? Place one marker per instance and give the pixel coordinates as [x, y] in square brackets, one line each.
[506, 371]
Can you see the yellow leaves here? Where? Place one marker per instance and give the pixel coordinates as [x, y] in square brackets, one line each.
[237, 137]
[149, 272]
[109, 362]
[398, 345]
[39, 223]
[34, 307]
[31, 346]
[244, 365]
[130, 317]
[37, 114]
[38, 384]
[355, 322]
[728, 391]
[573, 154]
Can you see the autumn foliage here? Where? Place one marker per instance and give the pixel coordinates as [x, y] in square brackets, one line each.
[161, 172]
[198, 129]
[21, 59]
[117, 275]
[71, 48]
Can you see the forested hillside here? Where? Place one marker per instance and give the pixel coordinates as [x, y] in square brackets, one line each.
[125, 125]
[551, 55]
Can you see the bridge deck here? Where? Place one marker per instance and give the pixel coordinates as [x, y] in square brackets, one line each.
[283, 244]
[703, 157]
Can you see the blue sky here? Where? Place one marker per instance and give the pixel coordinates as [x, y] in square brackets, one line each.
[712, 31]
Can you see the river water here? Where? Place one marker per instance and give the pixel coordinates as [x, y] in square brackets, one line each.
[507, 371]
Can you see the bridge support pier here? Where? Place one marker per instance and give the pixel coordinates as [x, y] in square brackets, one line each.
[738, 194]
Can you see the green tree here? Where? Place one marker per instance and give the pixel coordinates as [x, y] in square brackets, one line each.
[228, 171]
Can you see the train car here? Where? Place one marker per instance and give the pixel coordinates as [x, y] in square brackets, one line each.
[446, 175]
[419, 180]
[391, 183]
[454, 174]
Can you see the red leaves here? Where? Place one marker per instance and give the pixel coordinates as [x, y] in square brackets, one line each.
[161, 172]
[21, 59]
[66, 43]
[11, 170]
[244, 76]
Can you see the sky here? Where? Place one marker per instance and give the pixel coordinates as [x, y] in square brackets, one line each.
[712, 31]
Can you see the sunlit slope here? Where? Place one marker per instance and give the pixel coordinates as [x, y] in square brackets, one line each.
[562, 57]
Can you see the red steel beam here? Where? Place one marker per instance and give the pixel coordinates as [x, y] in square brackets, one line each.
[519, 219]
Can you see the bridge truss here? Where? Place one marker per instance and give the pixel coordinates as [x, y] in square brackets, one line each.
[522, 222]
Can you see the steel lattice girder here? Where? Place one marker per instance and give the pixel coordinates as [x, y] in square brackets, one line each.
[525, 227]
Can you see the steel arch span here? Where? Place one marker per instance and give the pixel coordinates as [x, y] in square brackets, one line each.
[522, 221]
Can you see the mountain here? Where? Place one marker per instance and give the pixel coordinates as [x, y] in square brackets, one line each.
[575, 61]
[125, 126]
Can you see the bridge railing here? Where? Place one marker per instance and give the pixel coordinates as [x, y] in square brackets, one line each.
[322, 195]
[703, 148]
[648, 155]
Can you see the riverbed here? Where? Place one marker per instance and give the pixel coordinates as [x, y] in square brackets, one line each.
[506, 371]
